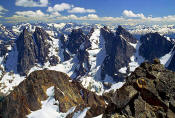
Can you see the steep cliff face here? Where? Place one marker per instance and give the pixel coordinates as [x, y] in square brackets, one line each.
[64, 46]
[41, 38]
[27, 52]
[154, 46]
[32, 48]
[75, 39]
[148, 92]
[118, 51]
[28, 95]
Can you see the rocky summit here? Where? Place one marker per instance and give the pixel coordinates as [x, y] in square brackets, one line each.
[147, 93]
[28, 96]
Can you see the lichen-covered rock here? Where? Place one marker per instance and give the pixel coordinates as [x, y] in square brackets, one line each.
[147, 93]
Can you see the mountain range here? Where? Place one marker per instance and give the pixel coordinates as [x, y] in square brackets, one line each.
[94, 61]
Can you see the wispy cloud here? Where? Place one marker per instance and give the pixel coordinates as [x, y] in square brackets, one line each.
[2, 10]
[81, 10]
[31, 3]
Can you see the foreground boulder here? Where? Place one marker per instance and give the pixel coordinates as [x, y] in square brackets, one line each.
[148, 93]
[28, 95]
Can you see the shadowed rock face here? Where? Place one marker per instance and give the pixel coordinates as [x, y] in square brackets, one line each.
[27, 52]
[148, 92]
[126, 34]
[77, 43]
[41, 38]
[154, 46]
[32, 48]
[28, 95]
[64, 46]
[76, 38]
[3, 47]
[118, 52]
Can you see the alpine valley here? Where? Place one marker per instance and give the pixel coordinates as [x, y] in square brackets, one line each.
[70, 70]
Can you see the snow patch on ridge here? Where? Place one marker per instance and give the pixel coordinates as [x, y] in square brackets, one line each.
[9, 81]
[8, 75]
[166, 59]
[97, 53]
[123, 70]
[136, 59]
[80, 114]
[50, 108]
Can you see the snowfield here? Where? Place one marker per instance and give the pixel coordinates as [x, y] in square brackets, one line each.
[9, 78]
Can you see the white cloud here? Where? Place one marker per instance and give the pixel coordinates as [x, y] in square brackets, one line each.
[31, 3]
[54, 15]
[59, 7]
[37, 13]
[129, 13]
[93, 16]
[81, 10]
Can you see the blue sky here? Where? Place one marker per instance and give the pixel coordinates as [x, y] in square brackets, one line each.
[120, 11]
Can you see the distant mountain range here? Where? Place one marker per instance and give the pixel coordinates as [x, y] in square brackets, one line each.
[97, 57]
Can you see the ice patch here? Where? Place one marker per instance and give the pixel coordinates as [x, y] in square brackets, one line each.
[115, 86]
[80, 114]
[123, 70]
[100, 116]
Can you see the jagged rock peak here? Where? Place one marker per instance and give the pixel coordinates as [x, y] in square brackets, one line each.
[26, 52]
[75, 39]
[32, 48]
[154, 46]
[118, 53]
[121, 31]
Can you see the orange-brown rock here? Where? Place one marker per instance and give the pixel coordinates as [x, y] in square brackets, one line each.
[28, 95]
[149, 92]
